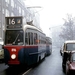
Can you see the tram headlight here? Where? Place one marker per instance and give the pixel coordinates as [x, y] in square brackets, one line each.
[13, 56]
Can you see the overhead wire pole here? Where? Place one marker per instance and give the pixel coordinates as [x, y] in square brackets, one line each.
[34, 8]
[34, 13]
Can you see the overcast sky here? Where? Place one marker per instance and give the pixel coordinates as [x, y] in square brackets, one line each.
[52, 12]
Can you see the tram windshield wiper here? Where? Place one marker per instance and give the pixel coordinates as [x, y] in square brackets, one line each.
[16, 38]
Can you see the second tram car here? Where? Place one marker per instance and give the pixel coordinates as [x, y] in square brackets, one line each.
[23, 46]
[48, 46]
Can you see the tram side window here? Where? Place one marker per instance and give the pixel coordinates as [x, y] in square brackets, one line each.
[35, 38]
[31, 38]
[39, 39]
[26, 38]
[42, 40]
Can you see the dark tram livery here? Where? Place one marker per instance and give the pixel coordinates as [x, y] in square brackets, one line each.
[24, 44]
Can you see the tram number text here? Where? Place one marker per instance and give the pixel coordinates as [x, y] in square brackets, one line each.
[12, 21]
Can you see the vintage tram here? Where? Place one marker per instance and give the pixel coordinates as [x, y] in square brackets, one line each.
[23, 44]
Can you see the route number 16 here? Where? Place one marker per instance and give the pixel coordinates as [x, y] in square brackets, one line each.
[11, 21]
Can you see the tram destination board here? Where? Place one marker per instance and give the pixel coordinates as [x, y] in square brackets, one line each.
[13, 22]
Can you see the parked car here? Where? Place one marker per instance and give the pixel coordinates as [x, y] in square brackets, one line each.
[67, 48]
[1, 50]
[70, 64]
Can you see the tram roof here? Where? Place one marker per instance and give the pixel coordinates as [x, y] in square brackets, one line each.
[70, 41]
[33, 27]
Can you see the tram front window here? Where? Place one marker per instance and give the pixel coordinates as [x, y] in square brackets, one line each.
[14, 37]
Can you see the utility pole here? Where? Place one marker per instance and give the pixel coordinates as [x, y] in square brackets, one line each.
[34, 14]
[2, 20]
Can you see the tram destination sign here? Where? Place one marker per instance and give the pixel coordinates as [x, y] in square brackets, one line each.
[13, 22]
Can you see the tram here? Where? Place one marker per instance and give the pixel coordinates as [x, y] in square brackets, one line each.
[48, 46]
[23, 44]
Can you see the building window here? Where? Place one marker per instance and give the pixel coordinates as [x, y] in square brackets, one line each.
[3, 10]
[20, 10]
[7, 1]
[27, 17]
[24, 20]
[15, 6]
[7, 13]
[23, 12]
[0, 24]
[7, 4]
[12, 14]
[12, 3]
[0, 8]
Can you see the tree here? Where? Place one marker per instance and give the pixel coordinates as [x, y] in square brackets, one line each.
[67, 32]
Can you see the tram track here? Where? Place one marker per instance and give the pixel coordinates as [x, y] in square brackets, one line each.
[27, 71]
[31, 67]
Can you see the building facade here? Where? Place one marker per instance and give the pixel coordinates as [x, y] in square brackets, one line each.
[14, 8]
